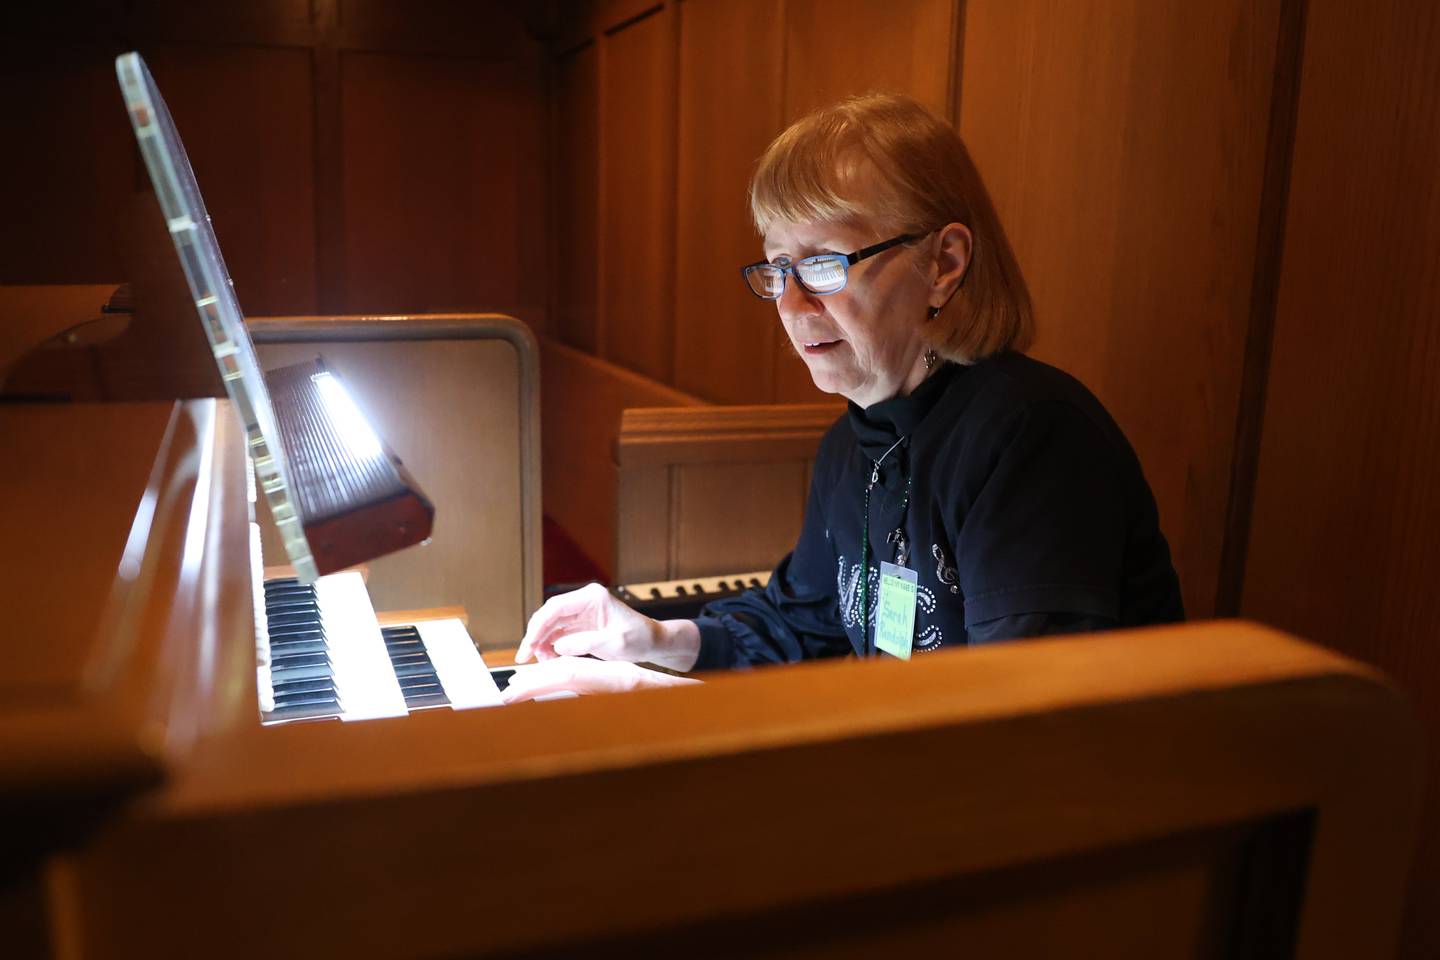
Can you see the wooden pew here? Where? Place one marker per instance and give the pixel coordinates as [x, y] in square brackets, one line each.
[712, 490]
[658, 484]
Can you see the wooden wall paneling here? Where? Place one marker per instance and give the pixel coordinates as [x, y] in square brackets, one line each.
[637, 145]
[1274, 204]
[67, 170]
[575, 185]
[1124, 146]
[610, 15]
[489, 29]
[838, 48]
[1346, 512]
[329, 160]
[731, 57]
[245, 116]
[273, 23]
[434, 215]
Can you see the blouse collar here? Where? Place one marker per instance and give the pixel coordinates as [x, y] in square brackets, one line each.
[878, 426]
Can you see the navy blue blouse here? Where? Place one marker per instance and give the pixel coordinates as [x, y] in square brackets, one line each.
[1012, 494]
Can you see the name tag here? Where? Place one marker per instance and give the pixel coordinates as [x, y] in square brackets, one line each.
[895, 613]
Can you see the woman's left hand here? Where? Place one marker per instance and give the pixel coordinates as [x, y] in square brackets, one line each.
[584, 675]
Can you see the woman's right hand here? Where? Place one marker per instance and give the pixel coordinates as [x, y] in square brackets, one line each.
[591, 621]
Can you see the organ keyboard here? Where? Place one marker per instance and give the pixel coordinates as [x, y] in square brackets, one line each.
[682, 599]
[321, 653]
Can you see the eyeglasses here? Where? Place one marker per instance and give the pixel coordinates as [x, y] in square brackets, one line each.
[821, 275]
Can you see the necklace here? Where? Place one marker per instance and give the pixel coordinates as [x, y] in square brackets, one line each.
[897, 537]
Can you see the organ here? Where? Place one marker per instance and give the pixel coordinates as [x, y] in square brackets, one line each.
[1208, 789]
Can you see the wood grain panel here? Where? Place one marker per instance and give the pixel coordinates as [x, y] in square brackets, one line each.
[245, 116]
[709, 490]
[711, 499]
[838, 48]
[258, 22]
[644, 526]
[485, 28]
[582, 399]
[441, 197]
[730, 108]
[1124, 146]
[64, 192]
[1187, 739]
[1347, 505]
[637, 86]
[574, 165]
[728, 434]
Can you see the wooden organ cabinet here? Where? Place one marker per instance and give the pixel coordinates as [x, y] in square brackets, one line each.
[1210, 789]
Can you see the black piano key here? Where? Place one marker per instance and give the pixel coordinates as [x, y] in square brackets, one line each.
[292, 619]
[400, 633]
[299, 659]
[273, 610]
[276, 600]
[297, 631]
[287, 647]
[273, 606]
[427, 700]
[418, 668]
[418, 680]
[300, 631]
[320, 685]
[315, 696]
[301, 672]
[502, 676]
[305, 711]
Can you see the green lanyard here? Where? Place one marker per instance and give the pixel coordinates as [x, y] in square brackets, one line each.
[865, 543]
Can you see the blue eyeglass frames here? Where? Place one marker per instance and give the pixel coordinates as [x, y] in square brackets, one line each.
[821, 275]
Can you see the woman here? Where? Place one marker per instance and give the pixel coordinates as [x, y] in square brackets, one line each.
[999, 498]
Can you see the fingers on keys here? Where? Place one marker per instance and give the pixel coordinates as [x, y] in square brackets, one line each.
[558, 616]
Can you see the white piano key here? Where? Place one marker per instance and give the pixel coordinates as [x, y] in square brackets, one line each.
[459, 665]
[263, 685]
[363, 675]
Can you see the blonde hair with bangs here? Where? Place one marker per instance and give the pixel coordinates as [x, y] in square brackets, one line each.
[887, 161]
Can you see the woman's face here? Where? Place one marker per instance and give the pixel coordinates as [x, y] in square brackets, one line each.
[863, 342]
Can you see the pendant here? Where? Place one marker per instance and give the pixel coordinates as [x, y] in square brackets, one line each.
[902, 546]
